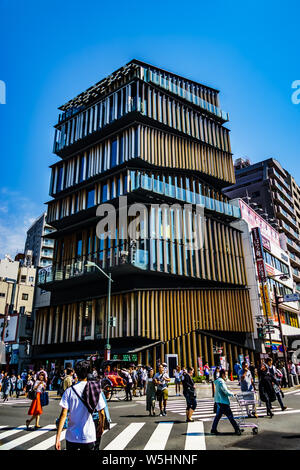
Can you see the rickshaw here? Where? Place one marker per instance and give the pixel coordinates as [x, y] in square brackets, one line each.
[112, 384]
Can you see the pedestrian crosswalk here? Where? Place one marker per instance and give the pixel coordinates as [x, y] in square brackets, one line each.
[167, 435]
[15, 401]
[205, 409]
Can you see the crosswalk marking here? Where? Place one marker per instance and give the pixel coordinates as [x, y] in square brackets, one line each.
[47, 443]
[195, 437]
[31, 435]
[9, 433]
[50, 442]
[160, 436]
[16, 402]
[123, 439]
[205, 412]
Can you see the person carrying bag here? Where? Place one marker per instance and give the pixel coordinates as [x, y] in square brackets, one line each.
[84, 404]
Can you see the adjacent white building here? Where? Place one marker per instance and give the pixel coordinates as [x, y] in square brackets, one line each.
[278, 273]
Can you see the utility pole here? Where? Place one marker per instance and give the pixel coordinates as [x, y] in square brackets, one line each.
[107, 347]
[281, 336]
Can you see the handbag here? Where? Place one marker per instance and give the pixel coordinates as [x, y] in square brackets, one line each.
[32, 394]
[44, 399]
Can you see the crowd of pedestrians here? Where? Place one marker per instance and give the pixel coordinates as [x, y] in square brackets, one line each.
[82, 396]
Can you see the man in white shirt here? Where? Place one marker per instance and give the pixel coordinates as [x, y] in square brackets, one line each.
[81, 431]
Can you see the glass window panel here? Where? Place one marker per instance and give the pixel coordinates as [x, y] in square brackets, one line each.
[91, 198]
[100, 318]
[86, 327]
[60, 179]
[121, 150]
[104, 193]
[114, 147]
[81, 169]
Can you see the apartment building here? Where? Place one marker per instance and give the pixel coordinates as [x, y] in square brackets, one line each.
[38, 242]
[272, 193]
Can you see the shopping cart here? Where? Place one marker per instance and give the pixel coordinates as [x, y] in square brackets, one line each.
[246, 400]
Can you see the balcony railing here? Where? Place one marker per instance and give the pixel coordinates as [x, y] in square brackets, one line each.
[281, 179]
[284, 202]
[293, 244]
[78, 267]
[189, 197]
[187, 95]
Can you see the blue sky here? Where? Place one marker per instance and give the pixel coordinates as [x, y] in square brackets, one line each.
[51, 51]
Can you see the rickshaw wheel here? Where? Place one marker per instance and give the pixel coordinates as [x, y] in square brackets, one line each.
[107, 390]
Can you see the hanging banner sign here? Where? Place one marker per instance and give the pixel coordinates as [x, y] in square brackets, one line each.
[265, 300]
[259, 254]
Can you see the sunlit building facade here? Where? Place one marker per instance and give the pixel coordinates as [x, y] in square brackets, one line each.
[147, 137]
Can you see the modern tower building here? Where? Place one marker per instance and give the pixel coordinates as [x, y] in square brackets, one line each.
[158, 140]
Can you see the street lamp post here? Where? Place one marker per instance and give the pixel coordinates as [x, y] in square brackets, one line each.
[107, 347]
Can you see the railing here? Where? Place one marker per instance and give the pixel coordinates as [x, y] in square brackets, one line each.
[78, 267]
[160, 187]
[293, 244]
[284, 202]
[157, 79]
[295, 258]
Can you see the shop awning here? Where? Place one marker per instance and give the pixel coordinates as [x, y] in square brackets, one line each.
[142, 348]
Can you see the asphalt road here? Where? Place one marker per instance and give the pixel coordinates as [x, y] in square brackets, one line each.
[133, 429]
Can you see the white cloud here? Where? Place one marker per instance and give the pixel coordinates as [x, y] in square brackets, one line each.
[17, 213]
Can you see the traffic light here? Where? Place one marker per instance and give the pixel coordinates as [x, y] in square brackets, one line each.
[260, 333]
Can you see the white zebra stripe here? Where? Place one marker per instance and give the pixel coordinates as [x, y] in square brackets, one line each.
[123, 439]
[160, 436]
[28, 437]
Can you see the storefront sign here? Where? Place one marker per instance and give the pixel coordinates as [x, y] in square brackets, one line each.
[266, 243]
[265, 299]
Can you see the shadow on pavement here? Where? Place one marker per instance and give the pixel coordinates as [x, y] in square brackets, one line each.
[266, 440]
